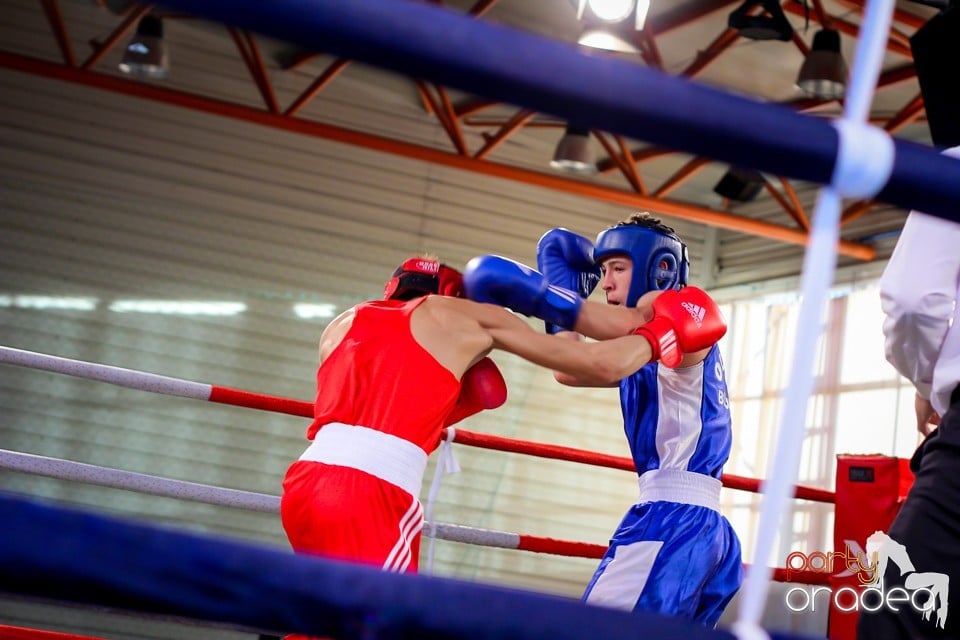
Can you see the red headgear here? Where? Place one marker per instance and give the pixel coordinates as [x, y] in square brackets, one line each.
[421, 276]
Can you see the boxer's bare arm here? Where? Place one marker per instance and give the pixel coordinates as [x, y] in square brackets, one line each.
[603, 321]
[454, 338]
[597, 363]
[571, 380]
[334, 332]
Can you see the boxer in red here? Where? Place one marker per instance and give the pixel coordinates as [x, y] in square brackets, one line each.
[394, 372]
[390, 379]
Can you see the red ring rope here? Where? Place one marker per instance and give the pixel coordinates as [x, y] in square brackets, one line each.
[23, 633]
[225, 395]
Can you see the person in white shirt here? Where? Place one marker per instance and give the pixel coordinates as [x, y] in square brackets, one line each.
[919, 291]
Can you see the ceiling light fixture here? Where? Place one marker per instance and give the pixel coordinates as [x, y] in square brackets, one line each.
[179, 307]
[741, 185]
[824, 72]
[146, 55]
[611, 24]
[573, 152]
[762, 27]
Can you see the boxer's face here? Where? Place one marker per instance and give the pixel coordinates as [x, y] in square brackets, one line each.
[617, 274]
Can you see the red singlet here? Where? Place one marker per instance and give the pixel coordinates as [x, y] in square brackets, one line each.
[384, 400]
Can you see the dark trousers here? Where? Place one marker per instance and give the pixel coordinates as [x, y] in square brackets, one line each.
[928, 526]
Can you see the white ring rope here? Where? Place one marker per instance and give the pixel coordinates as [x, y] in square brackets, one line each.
[208, 494]
[104, 373]
[139, 482]
[304, 409]
[863, 164]
[165, 487]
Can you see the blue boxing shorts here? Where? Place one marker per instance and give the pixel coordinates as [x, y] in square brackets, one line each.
[666, 557]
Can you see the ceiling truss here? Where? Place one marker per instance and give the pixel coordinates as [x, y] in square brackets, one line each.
[496, 130]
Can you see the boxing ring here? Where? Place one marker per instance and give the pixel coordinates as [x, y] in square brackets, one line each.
[170, 572]
[81, 530]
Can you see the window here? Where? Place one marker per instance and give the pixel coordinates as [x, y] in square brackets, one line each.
[860, 404]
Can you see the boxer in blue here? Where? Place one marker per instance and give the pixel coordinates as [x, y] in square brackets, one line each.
[673, 552]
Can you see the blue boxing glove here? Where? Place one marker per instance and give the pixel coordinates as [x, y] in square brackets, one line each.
[511, 284]
[566, 260]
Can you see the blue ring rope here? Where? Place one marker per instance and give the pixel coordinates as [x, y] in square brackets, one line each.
[599, 91]
[50, 552]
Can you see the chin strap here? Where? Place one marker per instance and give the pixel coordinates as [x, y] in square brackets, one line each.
[446, 463]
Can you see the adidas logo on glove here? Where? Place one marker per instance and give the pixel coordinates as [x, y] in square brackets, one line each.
[684, 322]
[696, 312]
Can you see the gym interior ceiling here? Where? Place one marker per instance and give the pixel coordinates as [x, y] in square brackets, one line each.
[234, 73]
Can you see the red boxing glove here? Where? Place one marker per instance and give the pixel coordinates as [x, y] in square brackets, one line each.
[683, 321]
[482, 387]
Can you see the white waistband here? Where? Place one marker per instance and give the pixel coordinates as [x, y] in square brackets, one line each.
[392, 459]
[685, 487]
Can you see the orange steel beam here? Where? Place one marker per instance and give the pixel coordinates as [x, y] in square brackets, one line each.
[647, 46]
[425, 97]
[261, 77]
[55, 17]
[651, 41]
[299, 60]
[450, 118]
[822, 16]
[899, 15]
[637, 156]
[631, 167]
[680, 210]
[481, 7]
[800, 44]
[850, 29]
[889, 78]
[101, 49]
[783, 203]
[473, 107]
[625, 165]
[896, 76]
[910, 112]
[519, 119]
[455, 133]
[682, 17]
[856, 210]
[241, 48]
[798, 212]
[714, 49]
[317, 86]
[900, 37]
[897, 33]
[894, 31]
[499, 122]
[259, 71]
[443, 116]
[253, 61]
[685, 173]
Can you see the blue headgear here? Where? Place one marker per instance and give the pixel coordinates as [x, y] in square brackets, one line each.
[647, 248]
